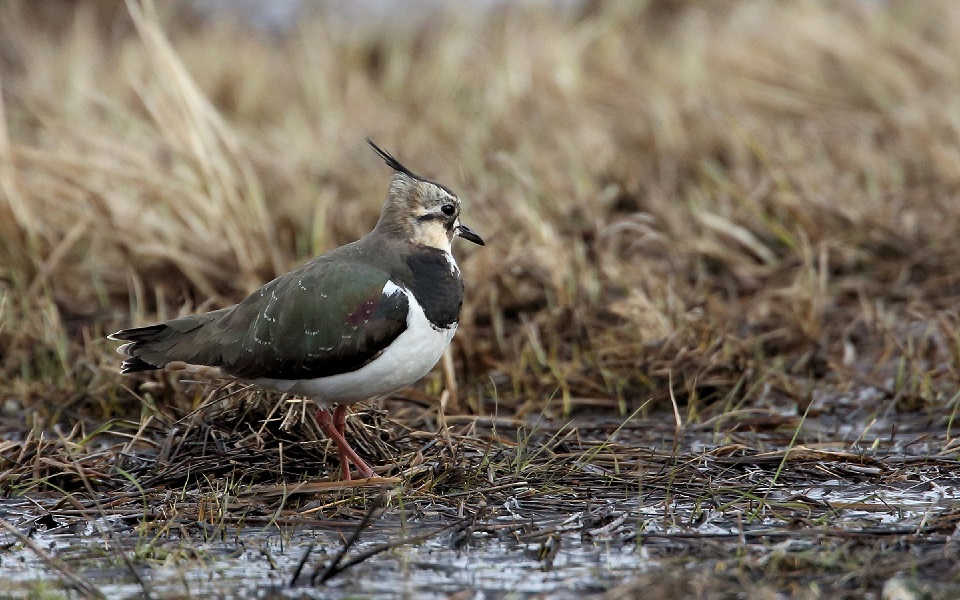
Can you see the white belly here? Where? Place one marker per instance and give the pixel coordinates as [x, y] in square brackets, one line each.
[404, 362]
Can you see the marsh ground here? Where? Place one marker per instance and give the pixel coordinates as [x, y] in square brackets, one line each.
[711, 348]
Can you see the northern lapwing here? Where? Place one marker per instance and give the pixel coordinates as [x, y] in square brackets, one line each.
[356, 323]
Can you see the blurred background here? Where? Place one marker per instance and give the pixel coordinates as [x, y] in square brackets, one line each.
[734, 204]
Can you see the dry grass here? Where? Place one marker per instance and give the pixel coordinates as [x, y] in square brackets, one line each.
[666, 190]
[733, 210]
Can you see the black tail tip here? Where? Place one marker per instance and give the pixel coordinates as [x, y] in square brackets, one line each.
[135, 364]
[137, 334]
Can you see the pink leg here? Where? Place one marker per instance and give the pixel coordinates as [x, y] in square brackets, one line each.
[340, 423]
[333, 428]
[340, 419]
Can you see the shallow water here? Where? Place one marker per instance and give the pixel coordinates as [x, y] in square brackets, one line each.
[261, 565]
[869, 495]
[497, 560]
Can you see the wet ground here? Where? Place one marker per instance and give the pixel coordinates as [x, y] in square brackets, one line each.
[262, 564]
[849, 499]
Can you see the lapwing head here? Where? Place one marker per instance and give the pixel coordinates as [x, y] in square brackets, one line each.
[419, 210]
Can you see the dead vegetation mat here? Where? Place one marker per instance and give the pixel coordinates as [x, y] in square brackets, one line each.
[771, 503]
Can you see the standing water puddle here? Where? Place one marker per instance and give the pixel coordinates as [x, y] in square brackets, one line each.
[261, 565]
[844, 499]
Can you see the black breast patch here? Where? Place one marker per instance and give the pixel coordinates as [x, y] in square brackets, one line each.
[436, 286]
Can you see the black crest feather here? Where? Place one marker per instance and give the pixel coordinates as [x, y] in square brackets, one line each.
[391, 161]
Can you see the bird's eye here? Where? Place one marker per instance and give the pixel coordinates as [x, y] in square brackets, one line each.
[448, 209]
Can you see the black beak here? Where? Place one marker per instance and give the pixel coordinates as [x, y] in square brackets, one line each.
[469, 235]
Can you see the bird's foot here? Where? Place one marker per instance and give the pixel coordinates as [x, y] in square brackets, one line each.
[334, 427]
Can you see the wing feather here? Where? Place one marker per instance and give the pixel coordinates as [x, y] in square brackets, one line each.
[320, 320]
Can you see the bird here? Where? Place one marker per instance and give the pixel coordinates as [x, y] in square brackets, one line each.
[356, 323]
